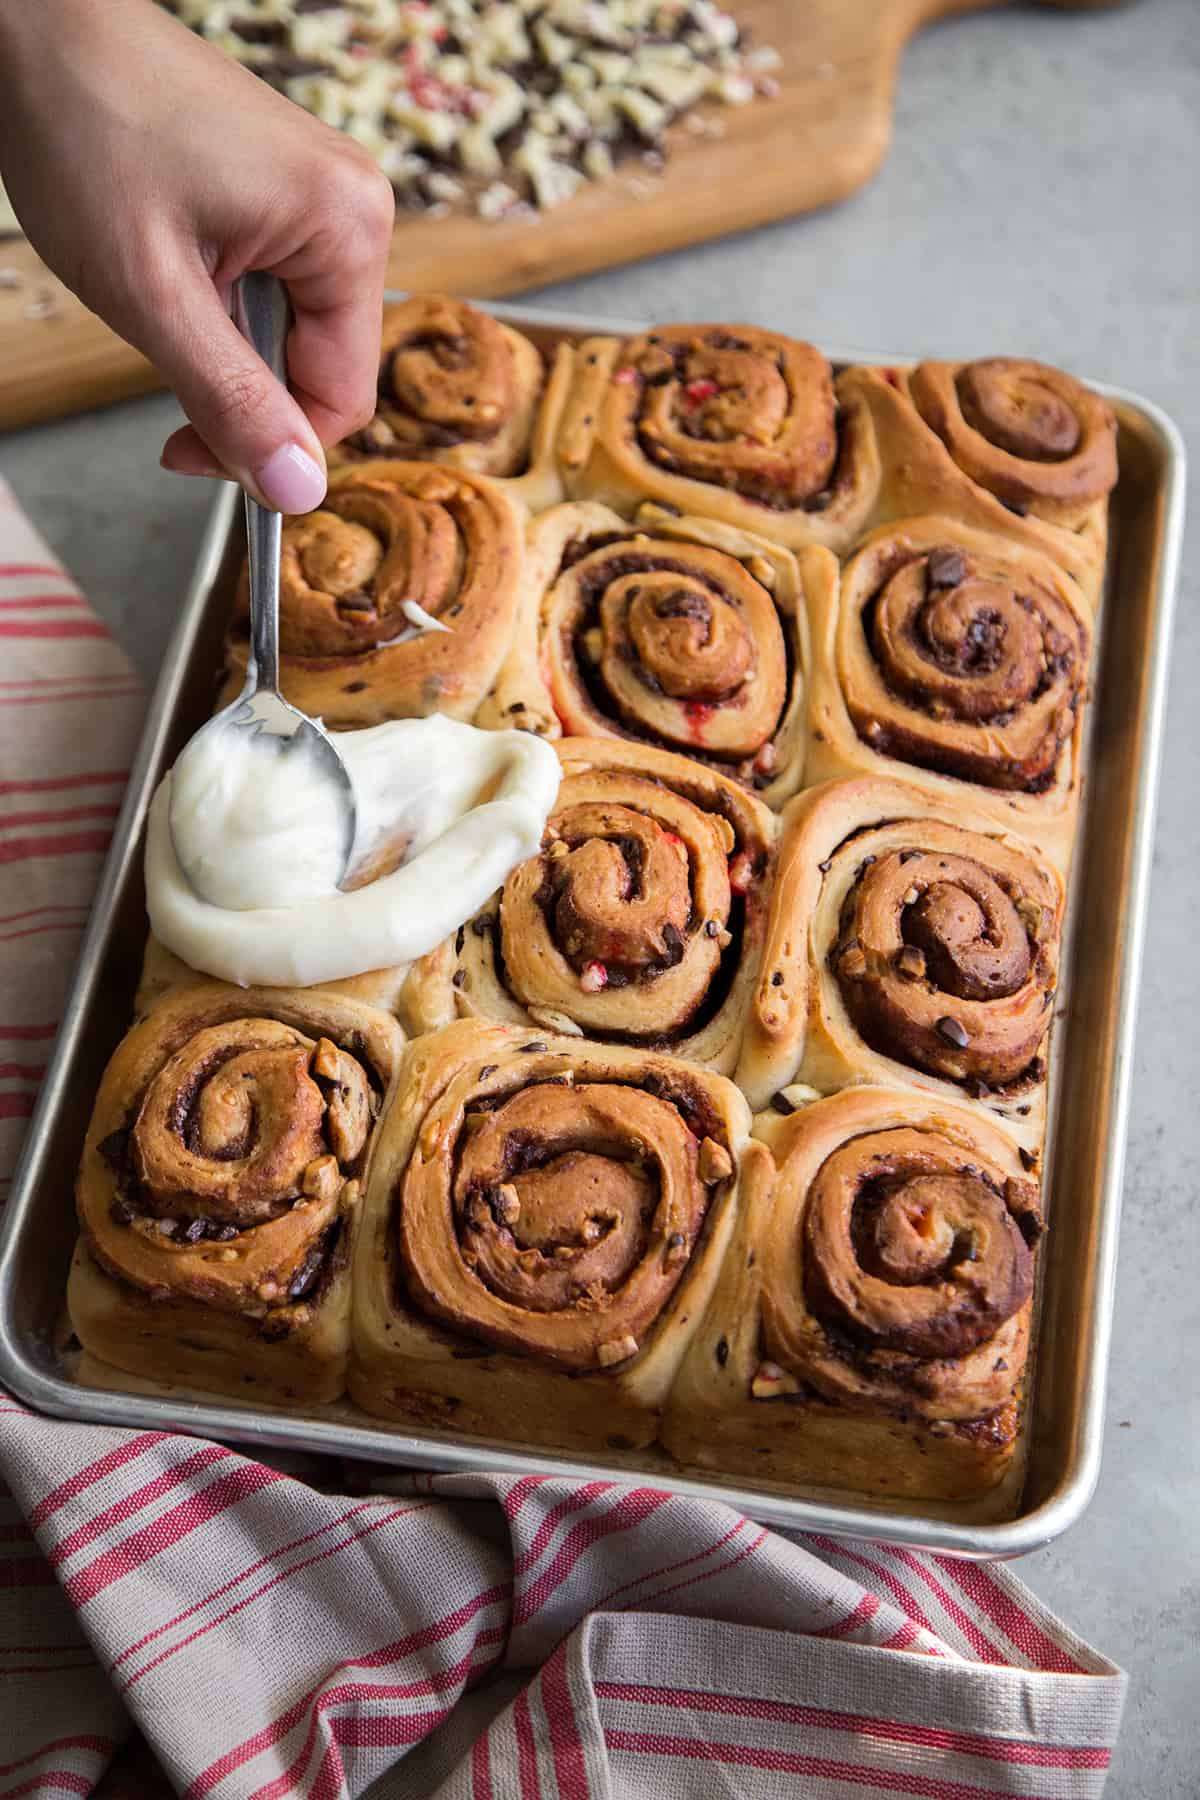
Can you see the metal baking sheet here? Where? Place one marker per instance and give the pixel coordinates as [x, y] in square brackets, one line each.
[1089, 1096]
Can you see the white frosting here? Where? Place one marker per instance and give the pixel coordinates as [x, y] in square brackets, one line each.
[253, 822]
[469, 804]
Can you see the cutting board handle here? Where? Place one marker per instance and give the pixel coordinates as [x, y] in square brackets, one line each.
[824, 136]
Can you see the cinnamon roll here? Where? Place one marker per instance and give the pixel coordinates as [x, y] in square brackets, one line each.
[461, 388]
[640, 922]
[398, 596]
[676, 633]
[1011, 447]
[871, 1321]
[909, 944]
[960, 662]
[163, 972]
[219, 1190]
[544, 1224]
[723, 421]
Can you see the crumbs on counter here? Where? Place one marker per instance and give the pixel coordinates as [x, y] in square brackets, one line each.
[500, 106]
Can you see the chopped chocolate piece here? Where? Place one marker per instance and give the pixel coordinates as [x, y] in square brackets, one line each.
[945, 568]
[953, 1032]
[781, 1103]
[305, 1278]
[722, 1351]
[115, 1149]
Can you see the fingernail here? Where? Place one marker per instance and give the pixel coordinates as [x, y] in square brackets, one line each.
[290, 480]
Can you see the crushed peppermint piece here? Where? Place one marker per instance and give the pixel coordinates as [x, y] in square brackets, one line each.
[741, 873]
[526, 98]
[496, 200]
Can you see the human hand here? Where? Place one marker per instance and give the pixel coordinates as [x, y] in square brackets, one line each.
[149, 172]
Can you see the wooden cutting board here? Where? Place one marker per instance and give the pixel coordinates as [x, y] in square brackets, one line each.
[822, 137]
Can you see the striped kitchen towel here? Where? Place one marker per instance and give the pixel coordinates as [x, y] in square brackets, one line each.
[295, 1627]
[70, 711]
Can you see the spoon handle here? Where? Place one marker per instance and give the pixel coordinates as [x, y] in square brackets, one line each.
[260, 310]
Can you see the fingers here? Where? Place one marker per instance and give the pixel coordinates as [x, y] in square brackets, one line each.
[335, 282]
[250, 424]
[186, 453]
[244, 424]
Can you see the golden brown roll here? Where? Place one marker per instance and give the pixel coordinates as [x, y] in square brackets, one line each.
[163, 972]
[726, 422]
[1033, 436]
[640, 922]
[870, 1324]
[544, 1224]
[219, 1190]
[461, 388]
[1010, 447]
[909, 943]
[391, 537]
[959, 662]
[682, 634]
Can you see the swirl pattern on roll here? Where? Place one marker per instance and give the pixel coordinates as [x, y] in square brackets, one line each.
[390, 538]
[554, 1199]
[641, 921]
[908, 940]
[455, 386]
[228, 1147]
[946, 959]
[740, 408]
[677, 636]
[726, 422]
[962, 662]
[1036, 438]
[900, 1271]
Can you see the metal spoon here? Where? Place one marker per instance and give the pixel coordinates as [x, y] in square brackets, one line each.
[261, 313]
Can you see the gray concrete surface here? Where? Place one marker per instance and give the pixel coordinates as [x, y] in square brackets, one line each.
[1043, 196]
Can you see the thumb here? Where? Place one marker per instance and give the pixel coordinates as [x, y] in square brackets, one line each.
[247, 419]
